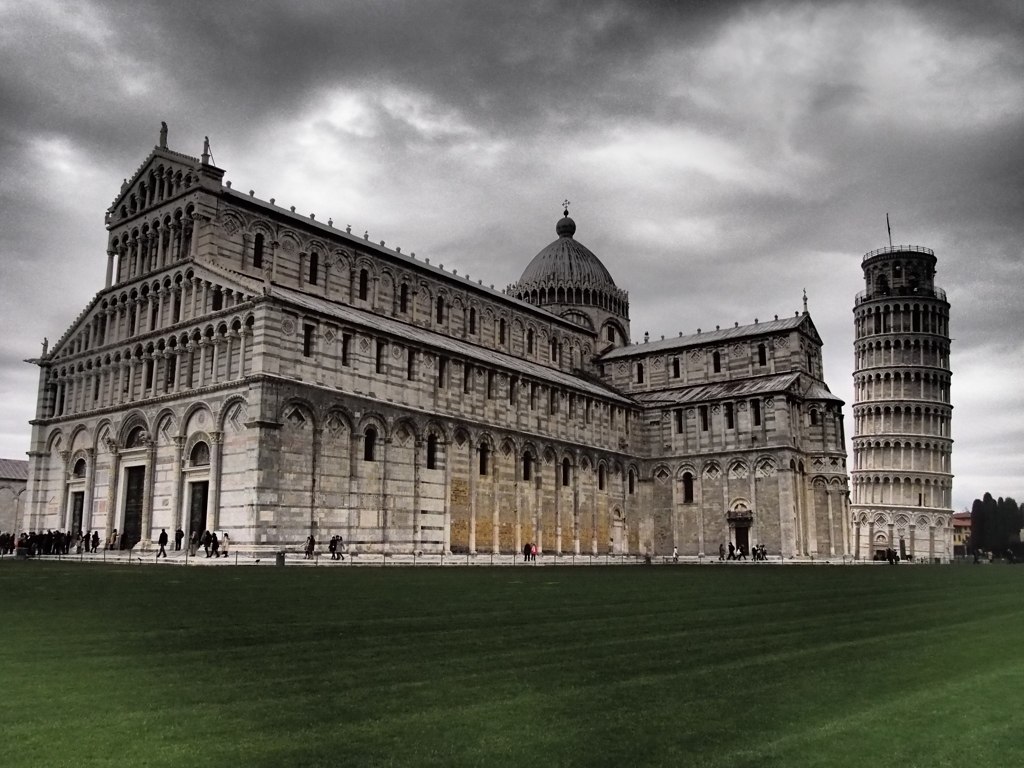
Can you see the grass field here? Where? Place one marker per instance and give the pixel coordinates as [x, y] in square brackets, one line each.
[704, 666]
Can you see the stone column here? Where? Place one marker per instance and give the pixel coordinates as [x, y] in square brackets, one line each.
[495, 515]
[110, 267]
[115, 479]
[159, 245]
[517, 475]
[594, 512]
[474, 470]
[831, 525]
[216, 448]
[386, 502]
[558, 504]
[576, 507]
[193, 247]
[417, 532]
[177, 518]
[175, 244]
[913, 529]
[241, 352]
[147, 500]
[447, 500]
[214, 362]
[65, 456]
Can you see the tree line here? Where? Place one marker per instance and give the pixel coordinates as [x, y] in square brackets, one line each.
[996, 523]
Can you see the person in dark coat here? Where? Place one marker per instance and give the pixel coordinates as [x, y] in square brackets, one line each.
[179, 536]
[214, 545]
[95, 541]
[206, 541]
[526, 552]
[732, 551]
[332, 547]
[162, 541]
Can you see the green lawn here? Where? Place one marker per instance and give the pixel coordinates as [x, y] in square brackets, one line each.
[706, 666]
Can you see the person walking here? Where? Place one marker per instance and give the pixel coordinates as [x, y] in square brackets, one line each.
[95, 541]
[179, 535]
[721, 552]
[332, 547]
[341, 548]
[206, 542]
[214, 545]
[225, 540]
[162, 541]
[675, 554]
[193, 543]
[526, 552]
[310, 547]
[732, 551]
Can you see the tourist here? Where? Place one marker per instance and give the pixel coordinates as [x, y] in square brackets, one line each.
[206, 542]
[310, 546]
[179, 535]
[332, 547]
[526, 552]
[193, 542]
[162, 541]
[533, 552]
[721, 552]
[675, 554]
[224, 542]
[112, 543]
[341, 548]
[214, 545]
[95, 541]
[732, 551]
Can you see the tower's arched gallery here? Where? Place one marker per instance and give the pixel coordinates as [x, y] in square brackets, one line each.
[251, 369]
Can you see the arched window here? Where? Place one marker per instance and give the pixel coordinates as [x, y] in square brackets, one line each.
[675, 368]
[472, 320]
[611, 333]
[257, 251]
[485, 452]
[314, 267]
[814, 416]
[501, 331]
[370, 444]
[432, 452]
[381, 350]
[79, 470]
[136, 438]
[403, 299]
[566, 471]
[716, 361]
[529, 342]
[440, 309]
[639, 373]
[762, 355]
[364, 284]
[687, 488]
[632, 482]
[527, 466]
[200, 456]
[600, 478]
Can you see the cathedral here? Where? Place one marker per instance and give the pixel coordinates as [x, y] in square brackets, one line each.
[250, 369]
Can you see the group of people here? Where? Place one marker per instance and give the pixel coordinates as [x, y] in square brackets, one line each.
[214, 543]
[50, 543]
[529, 552]
[757, 553]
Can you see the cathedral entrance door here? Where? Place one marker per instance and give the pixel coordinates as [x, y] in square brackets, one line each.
[77, 505]
[743, 538]
[197, 507]
[134, 492]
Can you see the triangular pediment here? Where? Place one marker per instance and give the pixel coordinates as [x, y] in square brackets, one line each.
[160, 159]
[807, 326]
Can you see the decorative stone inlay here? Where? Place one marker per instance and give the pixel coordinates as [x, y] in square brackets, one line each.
[288, 327]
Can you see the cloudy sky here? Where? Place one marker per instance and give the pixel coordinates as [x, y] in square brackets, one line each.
[720, 157]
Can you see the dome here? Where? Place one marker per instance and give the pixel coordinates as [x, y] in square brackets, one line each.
[566, 262]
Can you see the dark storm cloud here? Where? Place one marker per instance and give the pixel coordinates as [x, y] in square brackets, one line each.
[721, 156]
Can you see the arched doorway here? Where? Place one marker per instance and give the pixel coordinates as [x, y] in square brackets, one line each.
[198, 480]
[740, 518]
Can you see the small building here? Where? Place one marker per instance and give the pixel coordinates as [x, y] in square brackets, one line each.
[961, 533]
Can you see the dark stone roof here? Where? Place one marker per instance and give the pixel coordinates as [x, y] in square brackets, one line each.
[13, 469]
[566, 262]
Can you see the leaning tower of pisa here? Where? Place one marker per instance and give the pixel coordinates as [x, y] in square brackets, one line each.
[902, 445]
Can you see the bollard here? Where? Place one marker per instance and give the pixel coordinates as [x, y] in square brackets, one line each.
[279, 559]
